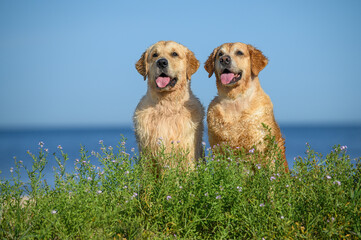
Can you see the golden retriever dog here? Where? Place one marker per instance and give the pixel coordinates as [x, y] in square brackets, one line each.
[169, 115]
[236, 115]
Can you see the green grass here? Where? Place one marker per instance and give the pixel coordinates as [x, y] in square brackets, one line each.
[223, 198]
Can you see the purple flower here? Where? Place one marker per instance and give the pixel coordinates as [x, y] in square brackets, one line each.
[110, 148]
[41, 144]
[169, 197]
[343, 148]
[206, 194]
[258, 166]
[219, 197]
[54, 212]
[60, 147]
[93, 153]
[282, 217]
[89, 178]
[328, 177]
[287, 185]
[272, 178]
[251, 150]
[262, 205]
[337, 182]
[99, 191]
[46, 150]
[180, 187]
[239, 189]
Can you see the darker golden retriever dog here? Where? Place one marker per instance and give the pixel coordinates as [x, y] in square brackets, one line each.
[236, 115]
[169, 115]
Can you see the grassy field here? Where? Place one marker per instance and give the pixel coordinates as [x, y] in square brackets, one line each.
[230, 195]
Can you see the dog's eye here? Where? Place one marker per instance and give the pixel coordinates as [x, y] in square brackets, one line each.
[174, 54]
[239, 53]
[220, 54]
[155, 55]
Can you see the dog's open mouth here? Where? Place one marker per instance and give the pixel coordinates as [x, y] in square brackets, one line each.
[228, 77]
[163, 81]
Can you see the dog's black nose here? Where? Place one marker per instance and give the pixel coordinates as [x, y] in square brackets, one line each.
[162, 63]
[225, 60]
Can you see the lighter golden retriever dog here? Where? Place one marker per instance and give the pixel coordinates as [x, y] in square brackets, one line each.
[169, 115]
[236, 115]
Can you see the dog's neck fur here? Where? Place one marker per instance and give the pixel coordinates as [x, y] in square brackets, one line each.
[237, 94]
[166, 97]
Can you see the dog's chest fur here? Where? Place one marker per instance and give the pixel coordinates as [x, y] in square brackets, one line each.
[238, 122]
[174, 124]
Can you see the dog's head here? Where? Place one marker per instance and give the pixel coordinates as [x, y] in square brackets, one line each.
[168, 66]
[235, 65]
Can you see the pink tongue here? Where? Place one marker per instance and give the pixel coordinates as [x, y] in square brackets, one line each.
[162, 81]
[226, 78]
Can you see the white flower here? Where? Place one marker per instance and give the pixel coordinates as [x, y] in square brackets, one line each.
[54, 212]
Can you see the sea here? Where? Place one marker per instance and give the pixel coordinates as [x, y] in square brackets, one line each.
[16, 144]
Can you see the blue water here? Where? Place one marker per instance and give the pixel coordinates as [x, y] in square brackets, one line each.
[17, 142]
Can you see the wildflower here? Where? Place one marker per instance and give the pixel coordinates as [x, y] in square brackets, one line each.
[11, 170]
[262, 205]
[239, 189]
[282, 217]
[258, 166]
[206, 194]
[272, 178]
[180, 187]
[100, 141]
[204, 144]
[125, 187]
[221, 188]
[54, 212]
[132, 149]
[135, 194]
[178, 141]
[169, 197]
[126, 172]
[99, 191]
[60, 147]
[251, 150]
[219, 197]
[89, 178]
[110, 148]
[113, 161]
[123, 143]
[21, 162]
[46, 150]
[84, 162]
[328, 177]
[343, 148]
[287, 185]
[41, 144]
[337, 182]
[93, 153]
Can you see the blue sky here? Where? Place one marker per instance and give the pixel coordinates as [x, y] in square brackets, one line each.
[71, 63]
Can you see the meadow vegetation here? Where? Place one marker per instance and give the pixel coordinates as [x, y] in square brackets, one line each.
[110, 194]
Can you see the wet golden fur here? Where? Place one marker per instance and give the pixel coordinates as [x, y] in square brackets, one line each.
[172, 114]
[236, 115]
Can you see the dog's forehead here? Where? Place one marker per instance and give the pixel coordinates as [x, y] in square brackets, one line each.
[167, 46]
[230, 47]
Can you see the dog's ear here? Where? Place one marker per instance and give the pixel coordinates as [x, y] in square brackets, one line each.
[192, 64]
[209, 64]
[258, 60]
[142, 66]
